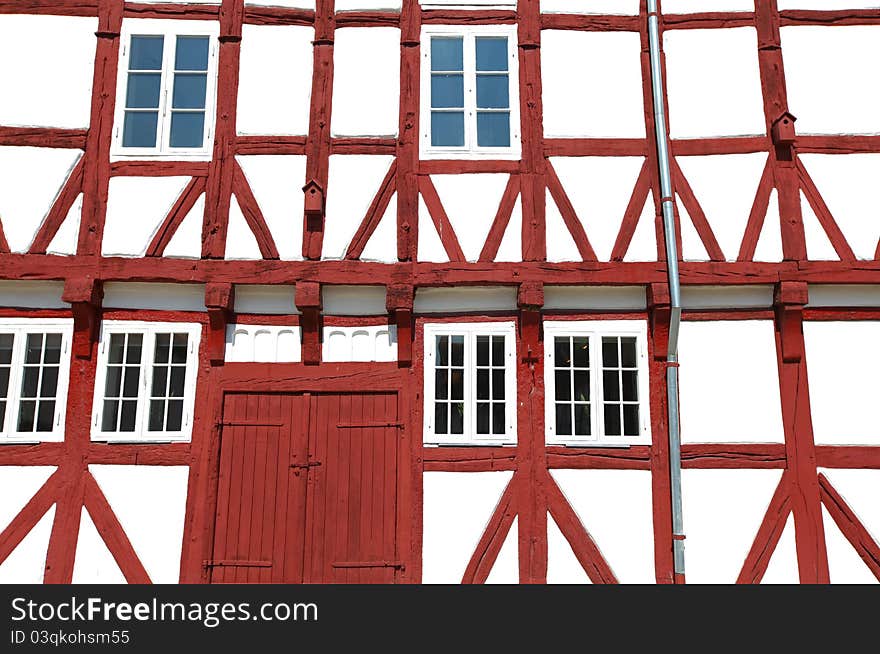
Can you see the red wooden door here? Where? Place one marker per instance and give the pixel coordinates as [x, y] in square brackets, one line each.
[307, 489]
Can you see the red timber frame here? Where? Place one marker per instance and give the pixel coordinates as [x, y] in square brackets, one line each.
[532, 493]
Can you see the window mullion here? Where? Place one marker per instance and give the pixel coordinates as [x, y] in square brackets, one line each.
[16, 376]
[147, 354]
[598, 422]
[470, 100]
[167, 85]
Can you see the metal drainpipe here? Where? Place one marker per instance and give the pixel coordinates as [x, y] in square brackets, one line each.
[668, 204]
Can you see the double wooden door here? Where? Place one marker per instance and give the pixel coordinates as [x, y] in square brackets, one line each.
[307, 489]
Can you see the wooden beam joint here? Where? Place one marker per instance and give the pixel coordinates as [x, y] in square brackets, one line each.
[85, 295]
[399, 302]
[790, 299]
[219, 300]
[660, 315]
[308, 301]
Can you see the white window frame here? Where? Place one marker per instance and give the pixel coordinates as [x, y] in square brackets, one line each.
[470, 331]
[469, 4]
[149, 331]
[170, 30]
[21, 327]
[595, 330]
[470, 149]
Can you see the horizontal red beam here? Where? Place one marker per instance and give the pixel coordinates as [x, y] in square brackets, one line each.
[833, 17]
[169, 454]
[590, 22]
[165, 10]
[848, 456]
[50, 7]
[468, 16]
[159, 169]
[597, 147]
[468, 459]
[838, 144]
[733, 455]
[709, 20]
[43, 137]
[624, 458]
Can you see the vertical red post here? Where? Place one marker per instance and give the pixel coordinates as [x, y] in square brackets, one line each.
[408, 132]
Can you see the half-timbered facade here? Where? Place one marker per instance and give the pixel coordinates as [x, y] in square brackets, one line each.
[376, 291]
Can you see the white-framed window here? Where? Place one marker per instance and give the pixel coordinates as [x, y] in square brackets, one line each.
[34, 371]
[166, 89]
[146, 381]
[470, 92]
[470, 383]
[596, 382]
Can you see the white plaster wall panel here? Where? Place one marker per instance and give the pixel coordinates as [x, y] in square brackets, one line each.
[506, 568]
[727, 297]
[826, 4]
[723, 65]
[26, 564]
[354, 181]
[819, 247]
[723, 510]
[19, 483]
[367, 343]
[602, 97]
[186, 243]
[296, 4]
[457, 507]
[136, 207]
[276, 181]
[366, 81]
[263, 343]
[600, 189]
[150, 504]
[562, 565]
[725, 186]
[844, 295]
[32, 294]
[843, 359]
[464, 298]
[859, 489]
[65, 240]
[471, 202]
[783, 565]
[382, 245]
[769, 247]
[729, 382]
[367, 5]
[643, 246]
[510, 248]
[240, 240]
[845, 566]
[353, 300]
[824, 70]
[620, 7]
[848, 186]
[612, 298]
[94, 563]
[161, 297]
[265, 299]
[31, 180]
[692, 246]
[695, 6]
[47, 86]
[615, 507]
[560, 242]
[275, 79]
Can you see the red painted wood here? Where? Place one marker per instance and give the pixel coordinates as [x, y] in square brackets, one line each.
[69, 192]
[594, 147]
[502, 220]
[468, 459]
[250, 209]
[374, 214]
[50, 7]
[632, 214]
[29, 515]
[408, 132]
[492, 540]
[850, 526]
[768, 534]
[758, 215]
[440, 219]
[170, 10]
[184, 204]
[696, 213]
[159, 169]
[569, 216]
[823, 213]
[43, 137]
[592, 23]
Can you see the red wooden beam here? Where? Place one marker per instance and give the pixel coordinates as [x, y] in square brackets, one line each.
[251, 212]
[758, 215]
[43, 137]
[490, 543]
[50, 7]
[60, 208]
[468, 459]
[569, 216]
[440, 219]
[823, 213]
[501, 221]
[278, 16]
[632, 214]
[599, 458]
[27, 518]
[468, 17]
[270, 145]
[591, 23]
[594, 147]
[834, 17]
[850, 526]
[768, 534]
[171, 454]
[696, 213]
[848, 456]
[171, 10]
[173, 220]
[160, 168]
[374, 214]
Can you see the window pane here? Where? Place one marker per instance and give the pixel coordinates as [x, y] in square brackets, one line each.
[482, 418]
[562, 351]
[143, 90]
[491, 53]
[191, 53]
[582, 386]
[498, 384]
[447, 128]
[29, 380]
[458, 350]
[612, 420]
[457, 385]
[178, 380]
[582, 419]
[132, 375]
[34, 348]
[492, 92]
[189, 91]
[482, 350]
[611, 385]
[563, 385]
[609, 352]
[447, 53]
[442, 350]
[46, 415]
[4, 382]
[129, 413]
[163, 348]
[187, 130]
[139, 129]
[493, 130]
[52, 352]
[146, 53]
[113, 382]
[178, 348]
[628, 352]
[175, 415]
[135, 345]
[631, 419]
[157, 415]
[497, 350]
[563, 419]
[441, 425]
[456, 418]
[6, 341]
[117, 345]
[26, 413]
[498, 426]
[2, 415]
[482, 384]
[49, 385]
[108, 417]
[630, 385]
[441, 384]
[447, 91]
[582, 352]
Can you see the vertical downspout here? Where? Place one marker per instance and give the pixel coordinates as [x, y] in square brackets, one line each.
[668, 204]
